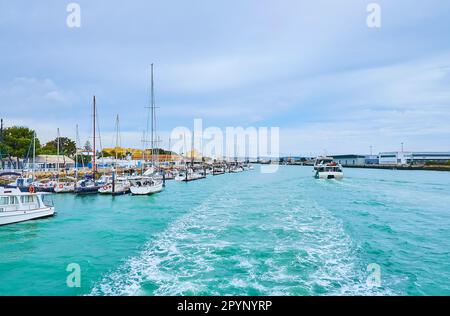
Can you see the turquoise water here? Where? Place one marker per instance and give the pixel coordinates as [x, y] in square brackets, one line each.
[243, 234]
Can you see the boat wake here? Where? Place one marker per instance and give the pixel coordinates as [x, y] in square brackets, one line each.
[251, 246]
[170, 264]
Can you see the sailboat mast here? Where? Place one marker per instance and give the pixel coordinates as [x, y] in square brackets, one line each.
[76, 150]
[192, 151]
[57, 150]
[143, 152]
[152, 119]
[117, 135]
[93, 156]
[34, 152]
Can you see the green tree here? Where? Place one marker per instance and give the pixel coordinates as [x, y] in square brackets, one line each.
[17, 142]
[88, 146]
[66, 147]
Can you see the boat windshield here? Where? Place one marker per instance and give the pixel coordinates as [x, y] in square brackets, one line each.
[47, 199]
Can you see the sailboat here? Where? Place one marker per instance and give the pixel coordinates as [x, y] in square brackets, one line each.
[25, 183]
[191, 173]
[117, 185]
[147, 184]
[91, 185]
[67, 184]
[49, 185]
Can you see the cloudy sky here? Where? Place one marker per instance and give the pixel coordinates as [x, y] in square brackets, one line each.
[312, 68]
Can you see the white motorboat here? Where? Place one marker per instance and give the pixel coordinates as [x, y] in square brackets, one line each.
[17, 206]
[145, 185]
[327, 168]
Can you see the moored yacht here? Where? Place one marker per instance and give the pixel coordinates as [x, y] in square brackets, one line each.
[17, 206]
[65, 186]
[90, 186]
[218, 170]
[119, 186]
[192, 175]
[145, 185]
[45, 185]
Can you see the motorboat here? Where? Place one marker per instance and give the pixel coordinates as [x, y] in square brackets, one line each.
[327, 168]
[17, 206]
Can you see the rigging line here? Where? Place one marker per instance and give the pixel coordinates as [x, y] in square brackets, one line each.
[79, 145]
[27, 157]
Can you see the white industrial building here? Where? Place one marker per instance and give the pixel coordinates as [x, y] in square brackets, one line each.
[350, 160]
[413, 158]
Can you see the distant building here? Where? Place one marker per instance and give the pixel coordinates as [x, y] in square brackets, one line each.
[12, 163]
[372, 160]
[350, 160]
[413, 158]
[50, 162]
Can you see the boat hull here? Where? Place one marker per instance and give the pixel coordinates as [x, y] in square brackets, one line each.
[12, 217]
[146, 189]
[193, 178]
[118, 190]
[330, 175]
[87, 190]
[65, 189]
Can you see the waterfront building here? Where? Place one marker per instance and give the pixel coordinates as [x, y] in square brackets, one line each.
[350, 160]
[50, 163]
[372, 160]
[413, 158]
[11, 163]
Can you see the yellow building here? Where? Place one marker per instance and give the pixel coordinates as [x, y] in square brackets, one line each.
[137, 154]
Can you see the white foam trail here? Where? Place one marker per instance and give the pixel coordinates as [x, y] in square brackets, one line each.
[298, 248]
[160, 261]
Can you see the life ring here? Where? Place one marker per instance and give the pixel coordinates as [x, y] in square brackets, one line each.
[61, 186]
[31, 189]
